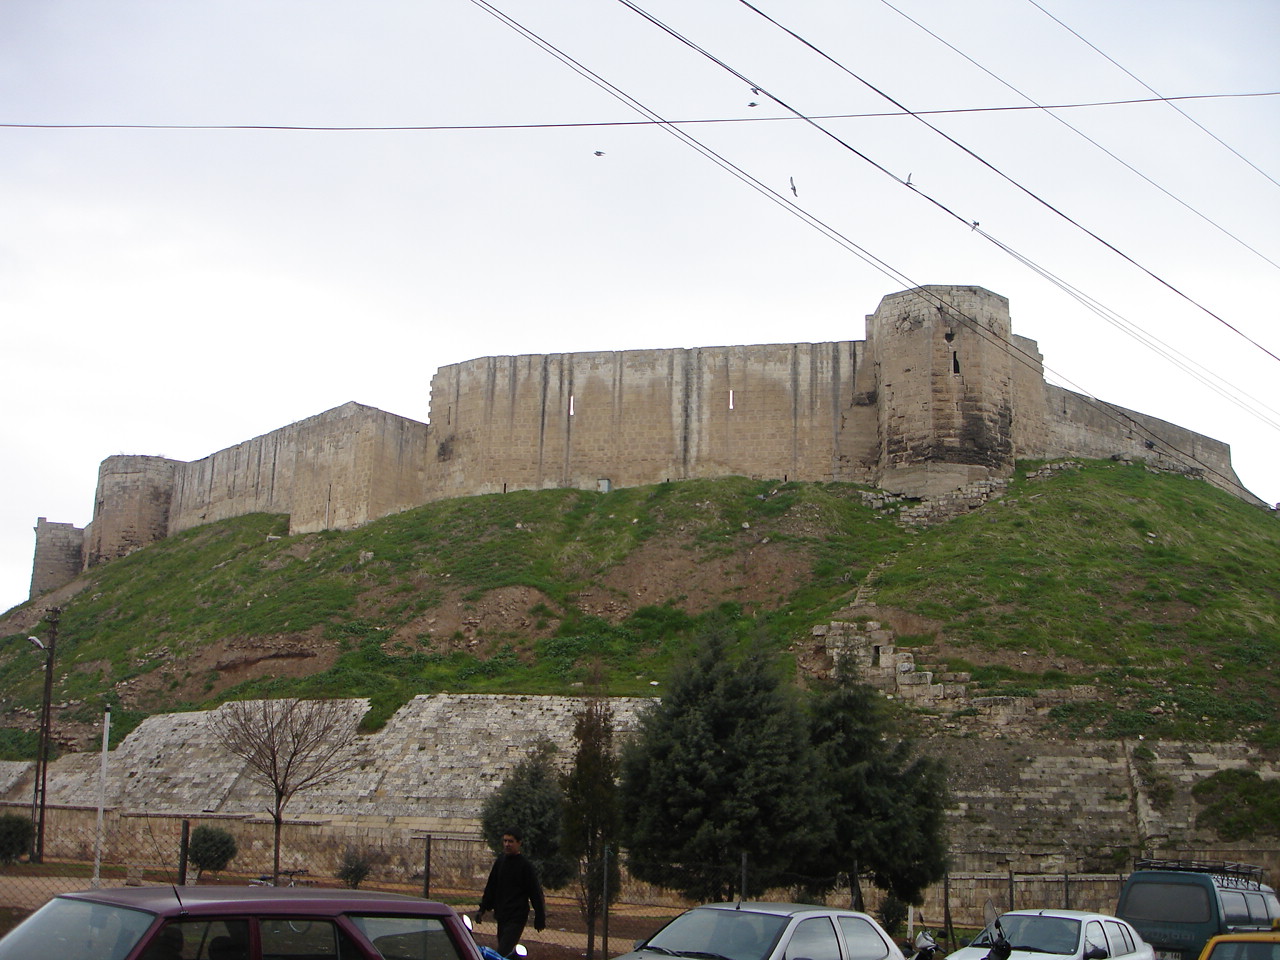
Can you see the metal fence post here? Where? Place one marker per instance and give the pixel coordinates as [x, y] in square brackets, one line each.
[184, 846]
[426, 870]
[604, 933]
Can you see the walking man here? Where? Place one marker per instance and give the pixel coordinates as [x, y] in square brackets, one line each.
[513, 885]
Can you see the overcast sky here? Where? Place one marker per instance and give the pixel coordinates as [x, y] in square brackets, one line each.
[176, 291]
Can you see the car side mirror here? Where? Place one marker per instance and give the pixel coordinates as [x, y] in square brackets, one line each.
[1094, 952]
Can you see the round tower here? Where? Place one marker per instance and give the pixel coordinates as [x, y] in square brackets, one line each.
[130, 507]
[944, 388]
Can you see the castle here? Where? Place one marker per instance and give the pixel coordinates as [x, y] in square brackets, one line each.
[940, 394]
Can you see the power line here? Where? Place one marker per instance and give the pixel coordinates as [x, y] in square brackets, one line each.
[675, 34]
[372, 128]
[1147, 86]
[1080, 133]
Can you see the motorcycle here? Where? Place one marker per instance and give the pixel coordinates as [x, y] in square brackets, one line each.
[488, 952]
[926, 948]
[1000, 947]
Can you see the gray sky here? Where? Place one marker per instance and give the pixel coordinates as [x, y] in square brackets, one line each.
[173, 292]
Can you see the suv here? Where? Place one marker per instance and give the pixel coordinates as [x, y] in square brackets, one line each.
[1177, 905]
[239, 923]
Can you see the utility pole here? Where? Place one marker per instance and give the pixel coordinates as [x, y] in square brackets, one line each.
[39, 791]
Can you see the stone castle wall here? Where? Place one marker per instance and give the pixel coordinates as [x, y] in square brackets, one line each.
[593, 420]
[1035, 804]
[336, 470]
[940, 395]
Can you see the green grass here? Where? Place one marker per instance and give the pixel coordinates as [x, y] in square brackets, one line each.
[1158, 589]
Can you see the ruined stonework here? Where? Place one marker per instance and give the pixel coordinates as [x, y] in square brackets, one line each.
[1043, 805]
[939, 397]
[59, 555]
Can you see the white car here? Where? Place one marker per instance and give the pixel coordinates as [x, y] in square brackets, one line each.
[768, 931]
[1070, 934]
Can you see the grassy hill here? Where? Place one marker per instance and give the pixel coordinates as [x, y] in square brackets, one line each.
[1159, 589]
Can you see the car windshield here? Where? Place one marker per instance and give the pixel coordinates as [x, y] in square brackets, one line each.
[1035, 934]
[66, 929]
[714, 933]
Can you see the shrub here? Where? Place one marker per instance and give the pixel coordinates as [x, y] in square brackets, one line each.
[355, 867]
[893, 915]
[16, 833]
[210, 848]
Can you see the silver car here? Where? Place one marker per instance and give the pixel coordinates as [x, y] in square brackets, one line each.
[1067, 934]
[768, 931]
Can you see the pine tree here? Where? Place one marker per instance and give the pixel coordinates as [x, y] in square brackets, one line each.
[591, 813]
[885, 804]
[531, 800]
[722, 768]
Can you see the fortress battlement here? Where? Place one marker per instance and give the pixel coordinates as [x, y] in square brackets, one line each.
[941, 393]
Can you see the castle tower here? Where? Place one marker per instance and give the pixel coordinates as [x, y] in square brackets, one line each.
[59, 555]
[130, 507]
[945, 388]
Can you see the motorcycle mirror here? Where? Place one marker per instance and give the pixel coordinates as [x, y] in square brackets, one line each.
[521, 950]
[466, 920]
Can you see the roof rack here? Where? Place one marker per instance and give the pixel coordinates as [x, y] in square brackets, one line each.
[1236, 873]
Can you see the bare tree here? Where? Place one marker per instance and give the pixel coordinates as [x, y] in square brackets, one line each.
[288, 746]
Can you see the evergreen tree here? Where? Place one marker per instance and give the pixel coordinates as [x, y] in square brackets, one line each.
[886, 806]
[531, 800]
[721, 768]
[210, 848]
[591, 813]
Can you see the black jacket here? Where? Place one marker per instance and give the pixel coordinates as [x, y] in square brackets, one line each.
[513, 885]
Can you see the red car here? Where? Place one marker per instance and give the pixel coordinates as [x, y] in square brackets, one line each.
[239, 923]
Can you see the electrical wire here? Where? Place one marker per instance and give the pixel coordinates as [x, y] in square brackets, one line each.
[1080, 133]
[1147, 86]
[1030, 193]
[371, 128]
[1016, 353]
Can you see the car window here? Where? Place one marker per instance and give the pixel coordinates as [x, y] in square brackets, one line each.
[1116, 945]
[1095, 936]
[1257, 909]
[304, 938]
[814, 939]
[1170, 902]
[862, 939]
[1234, 908]
[1240, 950]
[1273, 905]
[65, 929]
[408, 938]
[200, 940]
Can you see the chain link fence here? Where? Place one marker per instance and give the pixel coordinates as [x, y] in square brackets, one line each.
[151, 849]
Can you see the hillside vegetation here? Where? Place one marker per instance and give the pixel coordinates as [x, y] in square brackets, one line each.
[1159, 589]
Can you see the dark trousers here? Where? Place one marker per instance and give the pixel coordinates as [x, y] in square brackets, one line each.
[509, 934]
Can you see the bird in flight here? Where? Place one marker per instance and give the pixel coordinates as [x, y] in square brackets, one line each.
[794, 191]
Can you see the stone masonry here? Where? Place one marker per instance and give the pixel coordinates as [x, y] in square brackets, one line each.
[939, 397]
[1050, 805]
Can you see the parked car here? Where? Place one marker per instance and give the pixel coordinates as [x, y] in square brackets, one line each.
[769, 931]
[239, 923]
[1073, 934]
[1178, 905]
[1243, 946]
